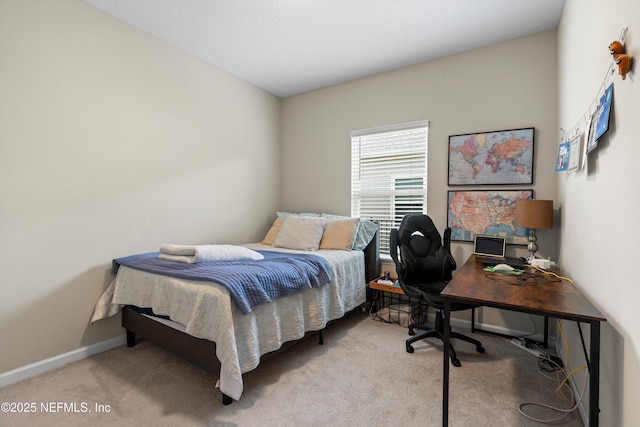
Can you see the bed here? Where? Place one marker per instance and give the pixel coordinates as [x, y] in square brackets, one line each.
[204, 322]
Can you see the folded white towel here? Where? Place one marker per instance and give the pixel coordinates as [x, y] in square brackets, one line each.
[179, 249]
[203, 253]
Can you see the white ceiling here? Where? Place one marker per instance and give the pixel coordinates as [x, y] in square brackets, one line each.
[288, 47]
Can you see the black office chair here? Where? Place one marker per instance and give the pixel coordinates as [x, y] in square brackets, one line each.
[424, 265]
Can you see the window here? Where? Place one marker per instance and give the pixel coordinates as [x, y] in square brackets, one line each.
[389, 175]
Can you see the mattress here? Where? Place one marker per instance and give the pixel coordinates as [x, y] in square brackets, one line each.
[205, 310]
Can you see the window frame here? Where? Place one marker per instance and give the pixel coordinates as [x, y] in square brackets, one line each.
[390, 220]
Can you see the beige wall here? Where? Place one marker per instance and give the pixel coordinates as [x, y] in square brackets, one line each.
[107, 135]
[504, 86]
[599, 205]
[111, 143]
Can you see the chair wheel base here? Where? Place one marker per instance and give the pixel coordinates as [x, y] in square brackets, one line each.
[456, 363]
[480, 349]
[409, 349]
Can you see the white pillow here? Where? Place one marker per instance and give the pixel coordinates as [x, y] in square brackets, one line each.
[206, 253]
[300, 233]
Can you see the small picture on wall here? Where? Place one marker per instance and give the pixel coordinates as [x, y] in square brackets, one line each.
[603, 113]
[575, 153]
[592, 143]
[562, 162]
[600, 119]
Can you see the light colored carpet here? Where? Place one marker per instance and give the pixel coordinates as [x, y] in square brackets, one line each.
[361, 376]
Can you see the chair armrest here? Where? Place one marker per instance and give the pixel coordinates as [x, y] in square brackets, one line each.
[446, 239]
[446, 243]
[393, 251]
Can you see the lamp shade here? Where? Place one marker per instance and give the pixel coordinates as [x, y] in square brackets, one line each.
[534, 213]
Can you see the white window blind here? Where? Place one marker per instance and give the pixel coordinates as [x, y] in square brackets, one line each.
[389, 175]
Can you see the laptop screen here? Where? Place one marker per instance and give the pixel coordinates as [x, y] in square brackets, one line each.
[489, 246]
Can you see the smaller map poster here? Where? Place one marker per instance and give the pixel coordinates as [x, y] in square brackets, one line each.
[490, 213]
[502, 157]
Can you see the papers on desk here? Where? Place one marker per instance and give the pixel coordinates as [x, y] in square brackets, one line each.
[514, 272]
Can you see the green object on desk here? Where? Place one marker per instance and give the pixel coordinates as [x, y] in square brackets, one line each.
[510, 272]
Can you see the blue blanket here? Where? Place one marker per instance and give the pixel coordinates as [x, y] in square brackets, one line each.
[250, 283]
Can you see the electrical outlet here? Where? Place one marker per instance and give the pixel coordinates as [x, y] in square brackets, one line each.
[542, 263]
[523, 346]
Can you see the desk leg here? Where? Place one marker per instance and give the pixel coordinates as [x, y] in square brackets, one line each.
[546, 332]
[594, 375]
[445, 370]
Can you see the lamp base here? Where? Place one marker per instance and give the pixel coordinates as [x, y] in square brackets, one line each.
[532, 246]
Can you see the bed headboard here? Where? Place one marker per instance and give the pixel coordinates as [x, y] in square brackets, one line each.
[372, 258]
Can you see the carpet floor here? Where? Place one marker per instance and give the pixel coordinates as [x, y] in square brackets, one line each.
[361, 376]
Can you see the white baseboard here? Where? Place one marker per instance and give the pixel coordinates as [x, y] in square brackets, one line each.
[466, 324]
[37, 368]
[503, 330]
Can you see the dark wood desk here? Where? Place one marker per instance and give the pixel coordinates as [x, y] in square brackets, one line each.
[558, 299]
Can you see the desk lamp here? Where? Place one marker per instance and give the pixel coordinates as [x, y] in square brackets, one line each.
[534, 214]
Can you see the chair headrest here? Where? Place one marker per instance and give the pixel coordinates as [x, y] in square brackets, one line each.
[418, 232]
[420, 244]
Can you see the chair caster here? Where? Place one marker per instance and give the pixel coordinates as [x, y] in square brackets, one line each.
[411, 332]
[480, 349]
[409, 349]
[456, 363]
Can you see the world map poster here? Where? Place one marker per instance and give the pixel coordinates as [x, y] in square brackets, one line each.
[492, 213]
[502, 157]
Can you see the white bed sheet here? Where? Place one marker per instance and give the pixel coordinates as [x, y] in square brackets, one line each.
[207, 311]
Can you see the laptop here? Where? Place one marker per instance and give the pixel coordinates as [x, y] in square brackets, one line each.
[492, 251]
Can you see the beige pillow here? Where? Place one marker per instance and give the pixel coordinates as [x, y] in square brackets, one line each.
[300, 233]
[339, 234]
[270, 238]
